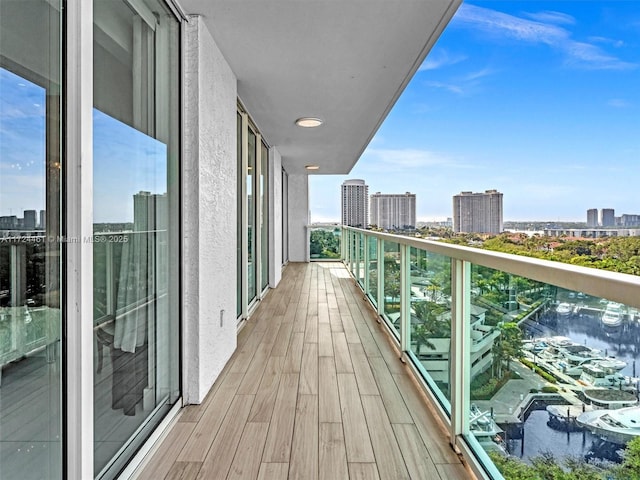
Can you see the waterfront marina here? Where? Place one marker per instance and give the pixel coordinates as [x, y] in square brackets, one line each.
[592, 409]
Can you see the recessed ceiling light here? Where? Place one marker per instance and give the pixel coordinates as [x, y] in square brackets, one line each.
[308, 122]
[312, 167]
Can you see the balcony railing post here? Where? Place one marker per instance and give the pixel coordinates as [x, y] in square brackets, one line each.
[354, 255]
[356, 266]
[459, 350]
[344, 241]
[380, 268]
[405, 296]
[18, 286]
[365, 264]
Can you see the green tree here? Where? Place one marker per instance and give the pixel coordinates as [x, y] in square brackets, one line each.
[507, 346]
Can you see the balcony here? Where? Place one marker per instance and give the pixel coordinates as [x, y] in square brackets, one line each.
[315, 389]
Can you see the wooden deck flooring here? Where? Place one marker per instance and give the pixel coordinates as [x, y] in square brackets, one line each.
[313, 391]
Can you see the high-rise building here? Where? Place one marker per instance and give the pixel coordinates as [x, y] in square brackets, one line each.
[477, 212]
[355, 203]
[42, 224]
[607, 217]
[393, 211]
[29, 222]
[592, 217]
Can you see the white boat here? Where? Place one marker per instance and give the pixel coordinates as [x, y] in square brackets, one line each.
[615, 426]
[486, 430]
[612, 316]
[604, 374]
[572, 358]
[564, 309]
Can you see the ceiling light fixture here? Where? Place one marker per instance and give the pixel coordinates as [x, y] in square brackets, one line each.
[308, 122]
[312, 167]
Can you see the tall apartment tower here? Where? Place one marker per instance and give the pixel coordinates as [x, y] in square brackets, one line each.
[477, 212]
[393, 211]
[608, 217]
[592, 217]
[29, 222]
[355, 203]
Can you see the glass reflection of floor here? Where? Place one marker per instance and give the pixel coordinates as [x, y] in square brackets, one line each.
[112, 427]
[30, 438]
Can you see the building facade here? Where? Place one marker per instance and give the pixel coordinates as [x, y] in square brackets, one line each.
[395, 211]
[607, 217]
[477, 212]
[592, 218]
[355, 203]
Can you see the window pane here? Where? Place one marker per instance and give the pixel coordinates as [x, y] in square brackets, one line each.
[251, 216]
[30, 166]
[135, 224]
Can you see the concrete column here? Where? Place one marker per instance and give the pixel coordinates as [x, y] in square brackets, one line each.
[209, 211]
[298, 218]
[275, 217]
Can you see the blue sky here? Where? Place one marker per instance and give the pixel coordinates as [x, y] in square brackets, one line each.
[540, 100]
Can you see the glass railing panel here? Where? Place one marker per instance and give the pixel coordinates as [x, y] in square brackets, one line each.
[391, 279]
[360, 268]
[353, 244]
[549, 368]
[430, 327]
[372, 270]
[324, 243]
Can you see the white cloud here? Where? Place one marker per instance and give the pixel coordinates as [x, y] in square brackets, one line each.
[545, 31]
[405, 159]
[441, 58]
[618, 103]
[450, 87]
[549, 16]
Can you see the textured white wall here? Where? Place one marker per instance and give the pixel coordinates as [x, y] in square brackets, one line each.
[275, 217]
[209, 211]
[298, 218]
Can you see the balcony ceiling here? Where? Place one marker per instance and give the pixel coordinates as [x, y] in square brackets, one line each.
[345, 61]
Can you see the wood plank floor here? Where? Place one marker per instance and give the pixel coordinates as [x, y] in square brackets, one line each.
[314, 391]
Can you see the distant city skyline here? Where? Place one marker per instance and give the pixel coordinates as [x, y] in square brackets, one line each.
[536, 99]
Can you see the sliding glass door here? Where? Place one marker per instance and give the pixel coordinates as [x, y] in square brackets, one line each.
[253, 215]
[31, 433]
[136, 221]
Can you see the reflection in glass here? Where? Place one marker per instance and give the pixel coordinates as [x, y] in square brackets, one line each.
[135, 225]
[30, 314]
[251, 216]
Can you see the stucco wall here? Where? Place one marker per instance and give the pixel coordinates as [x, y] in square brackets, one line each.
[208, 211]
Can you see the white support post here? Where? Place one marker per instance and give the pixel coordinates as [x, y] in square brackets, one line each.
[380, 265]
[405, 297]
[459, 350]
[356, 264]
[365, 265]
[77, 168]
